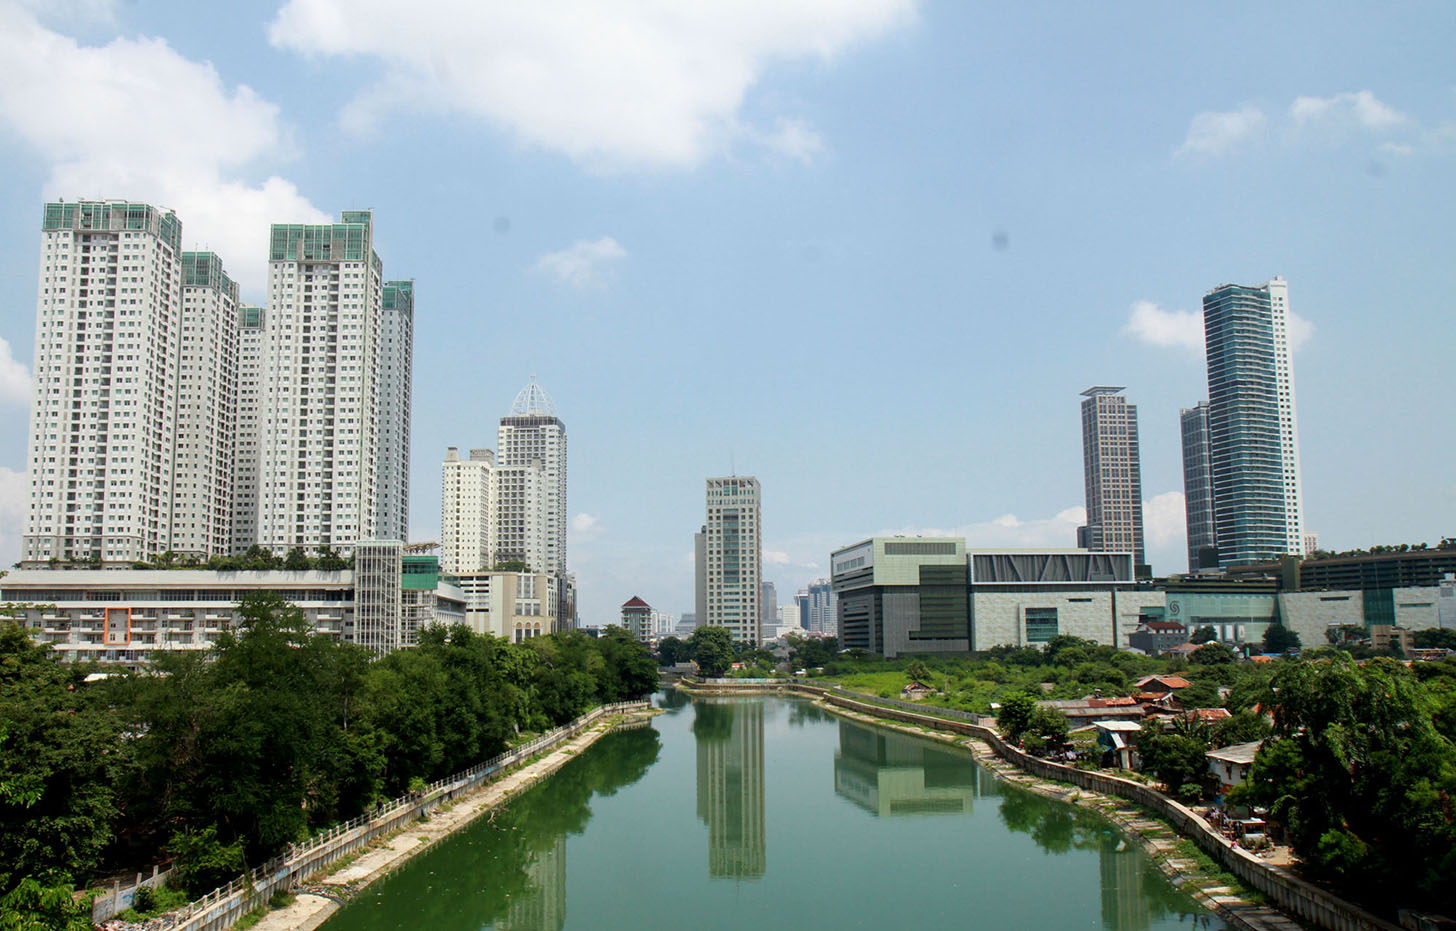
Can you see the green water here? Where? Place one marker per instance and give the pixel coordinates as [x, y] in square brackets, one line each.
[767, 813]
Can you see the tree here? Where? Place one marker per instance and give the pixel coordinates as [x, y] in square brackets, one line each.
[713, 650]
[812, 652]
[202, 862]
[1435, 638]
[917, 671]
[1280, 639]
[673, 650]
[59, 758]
[330, 561]
[1177, 759]
[296, 560]
[1204, 634]
[629, 670]
[511, 565]
[1212, 654]
[1050, 724]
[1362, 779]
[1015, 715]
[33, 906]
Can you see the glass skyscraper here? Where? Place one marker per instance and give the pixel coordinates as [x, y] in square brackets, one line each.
[1197, 482]
[1113, 472]
[1253, 435]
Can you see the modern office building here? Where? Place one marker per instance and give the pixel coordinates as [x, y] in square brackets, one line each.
[637, 619]
[532, 439]
[467, 494]
[246, 444]
[1253, 433]
[823, 608]
[700, 576]
[902, 595]
[768, 611]
[1197, 487]
[103, 416]
[1113, 474]
[318, 483]
[207, 410]
[396, 369]
[732, 565]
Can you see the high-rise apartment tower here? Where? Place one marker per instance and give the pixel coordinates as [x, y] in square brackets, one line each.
[1113, 473]
[103, 419]
[1253, 433]
[732, 566]
[467, 493]
[396, 361]
[533, 438]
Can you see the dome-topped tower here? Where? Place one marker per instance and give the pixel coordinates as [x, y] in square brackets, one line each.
[533, 401]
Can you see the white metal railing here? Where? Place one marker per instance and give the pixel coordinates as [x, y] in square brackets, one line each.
[223, 906]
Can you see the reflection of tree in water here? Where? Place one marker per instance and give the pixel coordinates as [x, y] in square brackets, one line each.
[713, 721]
[674, 700]
[1135, 893]
[515, 858]
[803, 712]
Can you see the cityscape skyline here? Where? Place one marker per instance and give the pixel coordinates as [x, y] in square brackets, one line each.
[829, 244]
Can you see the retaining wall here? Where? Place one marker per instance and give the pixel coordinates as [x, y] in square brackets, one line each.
[1282, 888]
[221, 908]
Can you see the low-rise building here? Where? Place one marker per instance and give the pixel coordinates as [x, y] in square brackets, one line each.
[1154, 637]
[124, 615]
[513, 605]
[636, 618]
[1231, 765]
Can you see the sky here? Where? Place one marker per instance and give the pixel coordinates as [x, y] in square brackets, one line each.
[869, 251]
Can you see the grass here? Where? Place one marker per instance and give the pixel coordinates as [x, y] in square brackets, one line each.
[279, 899]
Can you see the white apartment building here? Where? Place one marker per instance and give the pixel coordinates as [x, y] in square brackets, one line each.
[533, 436]
[467, 495]
[518, 527]
[397, 328]
[251, 333]
[104, 405]
[1112, 472]
[207, 409]
[732, 564]
[320, 427]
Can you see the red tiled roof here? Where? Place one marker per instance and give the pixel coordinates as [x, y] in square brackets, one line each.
[1163, 625]
[1207, 714]
[1115, 702]
[1172, 682]
[636, 603]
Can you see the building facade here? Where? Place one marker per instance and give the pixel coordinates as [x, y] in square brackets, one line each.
[247, 442]
[533, 439]
[1252, 428]
[396, 380]
[732, 566]
[513, 605]
[1197, 487]
[207, 410]
[1112, 472]
[637, 619]
[103, 415]
[898, 595]
[467, 495]
[823, 608]
[318, 455]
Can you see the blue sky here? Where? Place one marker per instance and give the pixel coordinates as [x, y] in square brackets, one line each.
[867, 250]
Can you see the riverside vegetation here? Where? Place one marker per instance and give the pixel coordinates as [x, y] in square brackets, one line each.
[221, 759]
[1358, 764]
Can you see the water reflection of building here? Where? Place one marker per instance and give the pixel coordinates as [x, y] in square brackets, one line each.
[890, 774]
[543, 906]
[1124, 900]
[730, 788]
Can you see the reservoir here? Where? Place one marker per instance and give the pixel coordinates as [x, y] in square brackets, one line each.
[769, 813]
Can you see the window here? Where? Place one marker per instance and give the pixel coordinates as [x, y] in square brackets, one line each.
[1041, 624]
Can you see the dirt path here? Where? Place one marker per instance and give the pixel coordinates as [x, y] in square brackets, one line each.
[320, 898]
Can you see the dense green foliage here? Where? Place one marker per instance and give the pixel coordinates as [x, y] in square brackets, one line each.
[256, 558]
[1363, 777]
[1280, 639]
[712, 650]
[224, 758]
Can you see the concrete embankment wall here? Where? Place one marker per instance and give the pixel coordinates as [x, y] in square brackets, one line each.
[1283, 889]
[221, 908]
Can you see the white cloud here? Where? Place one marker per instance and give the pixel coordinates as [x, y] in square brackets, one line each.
[776, 558]
[1213, 133]
[793, 139]
[14, 378]
[1360, 108]
[583, 264]
[134, 119]
[1151, 324]
[585, 527]
[1165, 520]
[14, 497]
[649, 83]
[1060, 530]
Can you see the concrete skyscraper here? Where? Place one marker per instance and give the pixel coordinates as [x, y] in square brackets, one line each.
[207, 409]
[732, 565]
[1253, 432]
[103, 419]
[467, 493]
[246, 444]
[1197, 483]
[531, 460]
[396, 367]
[322, 387]
[1113, 473]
